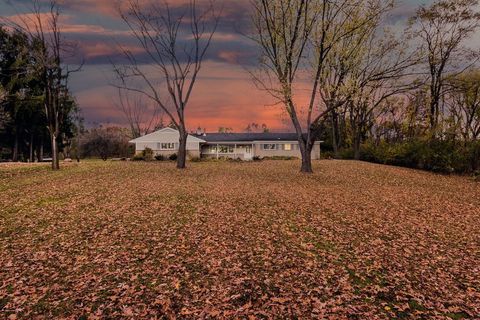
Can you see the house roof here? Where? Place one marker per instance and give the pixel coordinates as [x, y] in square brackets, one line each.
[164, 135]
[266, 136]
[172, 134]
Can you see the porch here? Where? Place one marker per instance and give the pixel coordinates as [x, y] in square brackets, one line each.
[227, 150]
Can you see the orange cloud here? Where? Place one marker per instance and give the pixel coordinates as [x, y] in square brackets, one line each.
[31, 21]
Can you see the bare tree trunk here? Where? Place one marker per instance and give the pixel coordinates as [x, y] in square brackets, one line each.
[182, 149]
[307, 162]
[335, 134]
[306, 151]
[77, 153]
[356, 145]
[15, 148]
[39, 150]
[31, 147]
[55, 161]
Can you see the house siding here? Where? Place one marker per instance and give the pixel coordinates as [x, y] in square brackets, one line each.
[140, 146]
[279, 152]
[259, 152]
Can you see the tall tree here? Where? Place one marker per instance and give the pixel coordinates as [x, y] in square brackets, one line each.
[22, 89]
[296, 37]
[464, 100]
[176, 43]
[444, 28]
[49, 49]
[379, 73]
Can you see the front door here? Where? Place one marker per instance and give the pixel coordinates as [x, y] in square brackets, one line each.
[248, 153]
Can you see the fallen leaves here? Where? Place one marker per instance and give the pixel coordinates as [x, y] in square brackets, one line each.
[251, 240]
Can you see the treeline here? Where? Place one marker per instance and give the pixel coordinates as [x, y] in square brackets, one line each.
[400, 130]
[38, 114]
[24, 134]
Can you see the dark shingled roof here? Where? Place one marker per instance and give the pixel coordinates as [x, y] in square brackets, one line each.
[267, 136]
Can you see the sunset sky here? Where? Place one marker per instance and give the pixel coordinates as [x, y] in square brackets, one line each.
[224, 95]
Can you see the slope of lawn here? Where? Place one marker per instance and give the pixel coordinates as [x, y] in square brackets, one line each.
[237, 240]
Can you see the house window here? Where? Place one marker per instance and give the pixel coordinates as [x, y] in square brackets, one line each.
[287, 147]
[167, 146]
[225, 149]
[212, 149]
[269, 146]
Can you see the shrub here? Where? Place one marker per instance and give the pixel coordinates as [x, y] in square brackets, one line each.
[195, 159]
[256, 158]
[327, 154]
[346, 153]
[138, 157]
[280, 158]
[160, 157]
[173, 157]
[105, 143]
[434, 155]
[147, 154]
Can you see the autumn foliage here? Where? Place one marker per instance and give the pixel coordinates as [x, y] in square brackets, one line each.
[237, 240]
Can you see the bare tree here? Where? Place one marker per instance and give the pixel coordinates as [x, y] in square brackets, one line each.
[255, 127]
[176, 45]
[225, 130]
[141, 117]
[343, 60]
[443, 29]
[379, 73]
[464, 99]
[296, 37]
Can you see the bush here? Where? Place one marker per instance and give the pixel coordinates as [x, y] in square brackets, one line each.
[345, 153]
[280, 158]
[160, 157]
[327, 154]
[256, 158]
[138, 157]
[105, 143]
[195, 159]
[173, 157]
[433, 155]
[147, 154]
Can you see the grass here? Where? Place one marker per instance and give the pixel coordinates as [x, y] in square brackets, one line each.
[237, 240]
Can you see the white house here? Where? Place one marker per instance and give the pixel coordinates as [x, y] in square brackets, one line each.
[243, 146]
[165, 142]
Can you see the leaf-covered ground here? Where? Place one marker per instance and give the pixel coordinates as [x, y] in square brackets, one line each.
[237, 240]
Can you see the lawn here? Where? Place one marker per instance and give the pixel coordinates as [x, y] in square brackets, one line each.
[237, 240]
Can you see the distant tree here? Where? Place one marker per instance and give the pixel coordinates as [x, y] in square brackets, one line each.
[22, 92]
[255, 127]
[225, 130]
[379, 74]
[141, 118]
[176, 42]
[444, 28]
[464, 99]
[105, 143]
